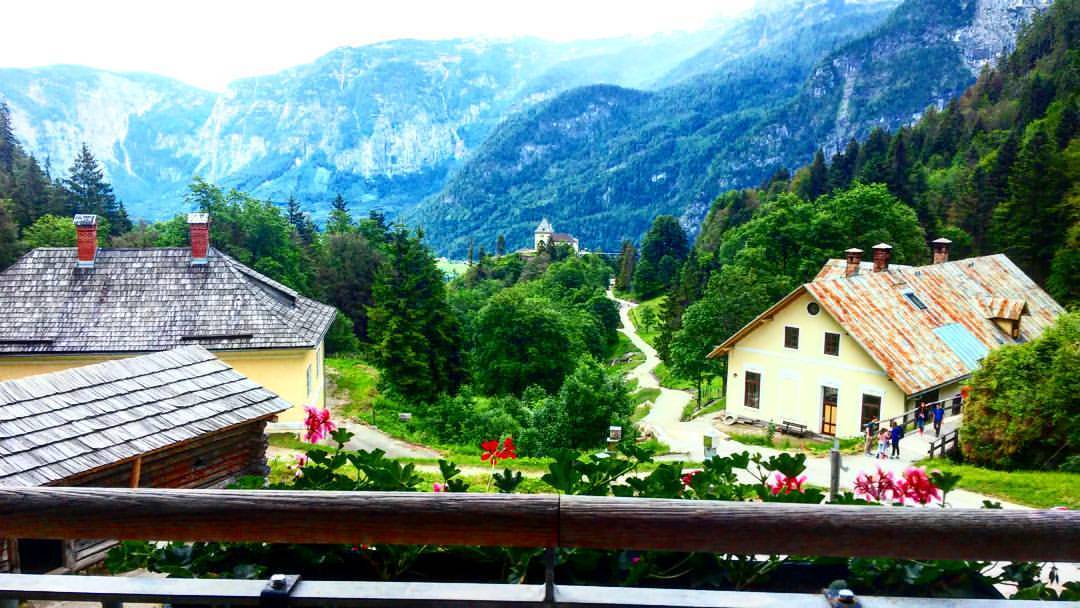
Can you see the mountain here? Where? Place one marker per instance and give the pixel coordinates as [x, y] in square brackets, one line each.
[601, 162]
[382, 124]
[140, 126]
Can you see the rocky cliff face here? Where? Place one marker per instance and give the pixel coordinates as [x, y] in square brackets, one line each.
[382, 124]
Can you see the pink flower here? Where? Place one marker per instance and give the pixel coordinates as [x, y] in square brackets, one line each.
[301, 462]
[880, 487]
[318, 423]
[438, 487]
[917, 487]
[786, 484]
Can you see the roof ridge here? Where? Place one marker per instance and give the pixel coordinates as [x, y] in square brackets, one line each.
[75, 372]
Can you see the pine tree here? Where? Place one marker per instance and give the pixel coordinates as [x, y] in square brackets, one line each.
[1031, 225]
[817, 182]
[300, 221]
[627, 264]
[88, 192]
[842, 169]
[663, 249]
[1068, 125]
[339, 221]
[500, 245]
[10, 248]
[8, 144]
[872, 164]
[470, 252]
[418, 340]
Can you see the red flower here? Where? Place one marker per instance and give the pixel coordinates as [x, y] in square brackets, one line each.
[494, 453]
[318, 424]
[688, 478]
[786, 484]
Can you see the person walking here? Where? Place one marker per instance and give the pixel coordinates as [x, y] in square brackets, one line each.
[871, 435]
[882, 444]
[920, 419]
[939, 415]
[896, 434]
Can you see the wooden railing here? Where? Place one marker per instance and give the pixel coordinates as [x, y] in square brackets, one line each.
[946, 443]
[907, 419]
[503, 520]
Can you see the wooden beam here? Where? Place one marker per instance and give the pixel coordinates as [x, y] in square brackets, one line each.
[523, 520]
[817, 530]
[13, 555]
[515, 520]
[136, 471]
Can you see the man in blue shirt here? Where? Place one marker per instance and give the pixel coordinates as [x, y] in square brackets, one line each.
[939, 415]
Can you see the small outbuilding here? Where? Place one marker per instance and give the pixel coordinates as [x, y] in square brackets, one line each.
[179, 418]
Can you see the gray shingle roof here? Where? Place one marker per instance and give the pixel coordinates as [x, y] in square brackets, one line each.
[60, 424]
[143, 300]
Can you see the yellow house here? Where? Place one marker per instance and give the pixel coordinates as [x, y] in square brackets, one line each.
[69, 307]
[872, 340]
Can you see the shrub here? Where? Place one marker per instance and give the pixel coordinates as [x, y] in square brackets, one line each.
[1023, 410]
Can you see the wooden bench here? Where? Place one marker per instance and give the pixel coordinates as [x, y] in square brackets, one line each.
[790, 427]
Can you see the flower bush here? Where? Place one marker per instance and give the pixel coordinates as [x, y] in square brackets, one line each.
[318, 423]
[630, 472]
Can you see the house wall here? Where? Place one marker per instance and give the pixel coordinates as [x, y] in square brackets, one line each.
[792, 379]
[285, 372]
[282, 371]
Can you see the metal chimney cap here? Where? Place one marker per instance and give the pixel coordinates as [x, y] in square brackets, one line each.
[85, 219]
[198, 218]
[883, 246]
[941, 241]
[853, 250]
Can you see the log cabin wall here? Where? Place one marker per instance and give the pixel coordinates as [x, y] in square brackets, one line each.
[211, 461]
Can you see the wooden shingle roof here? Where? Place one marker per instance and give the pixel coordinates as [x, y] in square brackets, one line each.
[60, 424]
[144, 300]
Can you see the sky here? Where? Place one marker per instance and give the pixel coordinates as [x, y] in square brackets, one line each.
[209, 43]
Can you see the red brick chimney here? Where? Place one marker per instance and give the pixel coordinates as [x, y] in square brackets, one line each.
[854, 259]
[199, 226]
[86, 239]
[882, 253]
[941, 250]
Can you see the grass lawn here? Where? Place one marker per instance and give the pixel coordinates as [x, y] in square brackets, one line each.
[850, 445]
[622, 348]
[357, 384]
[1041, 489]
[647, 318]
[452, 268]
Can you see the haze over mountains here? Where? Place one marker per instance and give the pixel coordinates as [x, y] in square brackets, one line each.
[472, 138]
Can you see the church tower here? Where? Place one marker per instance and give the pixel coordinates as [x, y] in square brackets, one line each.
[542, 233]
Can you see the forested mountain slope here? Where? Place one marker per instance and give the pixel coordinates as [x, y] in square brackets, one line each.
[997, 170]
[602, 162]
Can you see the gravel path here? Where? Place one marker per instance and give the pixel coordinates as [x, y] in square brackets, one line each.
[664, 419]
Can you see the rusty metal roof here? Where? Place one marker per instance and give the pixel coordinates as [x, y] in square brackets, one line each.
[923, 347]
[877, 310]
[1004, 308]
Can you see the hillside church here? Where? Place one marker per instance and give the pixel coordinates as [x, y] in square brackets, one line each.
[544, 234]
